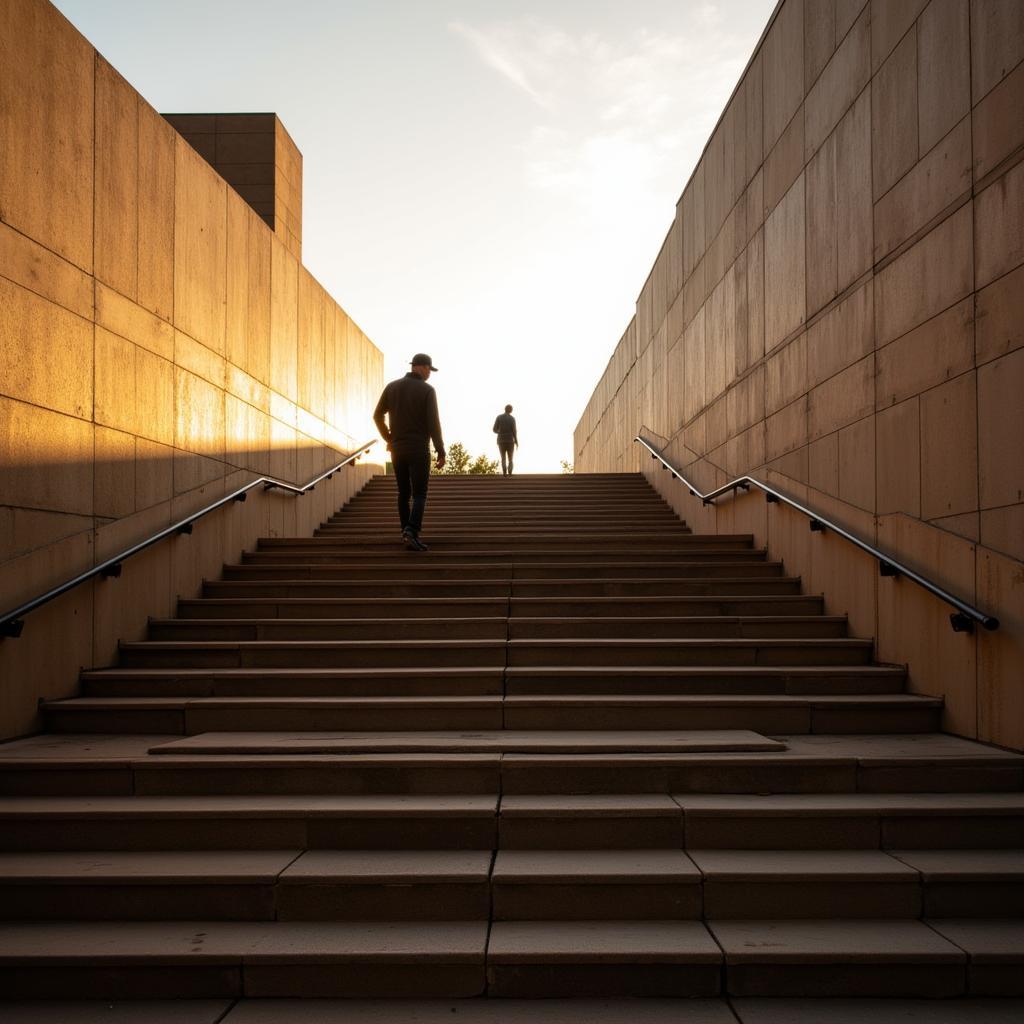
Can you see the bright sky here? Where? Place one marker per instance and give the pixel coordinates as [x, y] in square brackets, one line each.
[487, 181]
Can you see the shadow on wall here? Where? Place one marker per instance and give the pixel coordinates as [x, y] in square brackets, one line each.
[82, 628]
[44, 501]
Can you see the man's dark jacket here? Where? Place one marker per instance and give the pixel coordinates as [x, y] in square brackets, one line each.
[505, 428]
[411, 407]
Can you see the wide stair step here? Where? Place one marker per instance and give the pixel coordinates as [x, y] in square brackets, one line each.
[877, 713]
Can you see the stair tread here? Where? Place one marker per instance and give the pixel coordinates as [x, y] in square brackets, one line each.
[601, 942]
[449, 622]
[802, 866]
[831, 941]
[470, 1011]
[989, 940]
[581, 867]
[965, 865]
[984, 1010]
[588, 805]
[127, 1011]
[491, 700]
[262, 806]
[391, 867]
[172, 943]
[851, 804]
[140, 867]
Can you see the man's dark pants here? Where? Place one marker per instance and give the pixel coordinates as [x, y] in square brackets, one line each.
[506, 456]
[412, 474]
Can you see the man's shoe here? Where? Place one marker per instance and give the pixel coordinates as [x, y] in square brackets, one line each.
[413, 543]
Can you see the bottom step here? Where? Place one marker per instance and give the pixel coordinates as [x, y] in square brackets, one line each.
[519, 959]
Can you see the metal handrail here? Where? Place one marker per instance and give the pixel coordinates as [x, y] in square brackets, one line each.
[962, 619]
[12, 622]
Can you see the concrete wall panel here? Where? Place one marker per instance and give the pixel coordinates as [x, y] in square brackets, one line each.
[116, 244]
[200, 255]
[34, 368]
[997, 42]
[156, 213]
[944, 69]
[46, 150]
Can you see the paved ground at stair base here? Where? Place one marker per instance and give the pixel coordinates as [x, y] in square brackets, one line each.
[545, 1011]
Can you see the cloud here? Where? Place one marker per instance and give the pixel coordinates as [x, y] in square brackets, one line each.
[624, 115]
[494, 51]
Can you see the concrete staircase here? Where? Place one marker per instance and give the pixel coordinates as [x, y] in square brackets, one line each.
[572, 751]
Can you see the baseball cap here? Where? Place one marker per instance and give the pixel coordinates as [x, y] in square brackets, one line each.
[422, 359]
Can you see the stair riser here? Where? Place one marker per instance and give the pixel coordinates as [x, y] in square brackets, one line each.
[111, 902]
[399, 609]
[618, 546]
[313, 590]
[974, 899]
[520, 608]
[710, 684]
[399, 556]
[567, 980]
[772, 721]
[750, 899]
[315, 833]
[626, 654]
[835, 980]
[596, 902]
[192, 722]
[524, 608]
[487, 683]
[604, 833]
[462, 629]
[425, 570]
[450, 657]
[295, 979]
[854, 833]
[600, 627]
[673, 588]
[531, 776]
[443, 901]
[350, 779]
[397, 629]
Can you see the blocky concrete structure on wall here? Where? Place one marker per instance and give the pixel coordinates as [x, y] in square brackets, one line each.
[161, 345]
[257, 157]
[838, 307]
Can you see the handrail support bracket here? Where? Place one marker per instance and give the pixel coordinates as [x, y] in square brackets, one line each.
[961, 623]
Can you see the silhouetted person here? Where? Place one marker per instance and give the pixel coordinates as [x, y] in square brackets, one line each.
[508, 440]
[410, 404]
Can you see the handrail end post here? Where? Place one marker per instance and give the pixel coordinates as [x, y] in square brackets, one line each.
[11, 629]
[991, 623]
[961, 623]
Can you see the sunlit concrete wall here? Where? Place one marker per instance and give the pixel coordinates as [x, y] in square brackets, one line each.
[839, 308]
[159, 346]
